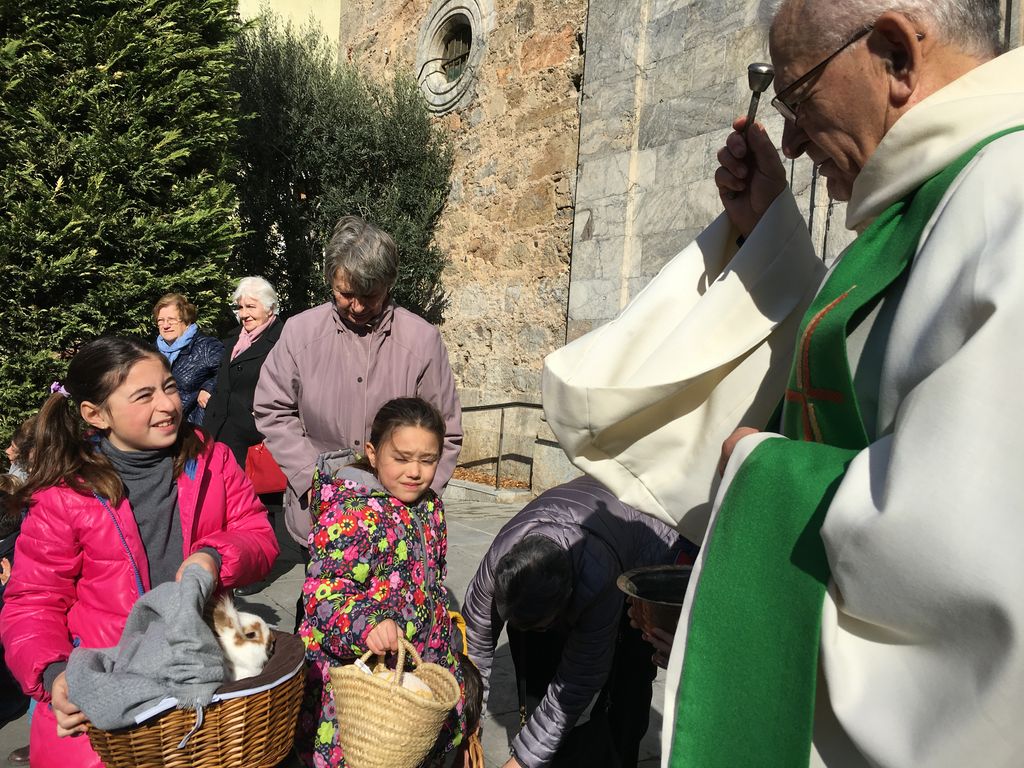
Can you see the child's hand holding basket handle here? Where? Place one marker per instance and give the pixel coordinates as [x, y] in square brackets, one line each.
[383, 638]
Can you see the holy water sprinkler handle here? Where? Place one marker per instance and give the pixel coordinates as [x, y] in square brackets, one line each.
[759, 77]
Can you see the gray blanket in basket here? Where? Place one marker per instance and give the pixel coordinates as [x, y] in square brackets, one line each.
[166, 650]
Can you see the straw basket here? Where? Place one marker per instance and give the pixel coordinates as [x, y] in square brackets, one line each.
[383, 725]
[252, 731]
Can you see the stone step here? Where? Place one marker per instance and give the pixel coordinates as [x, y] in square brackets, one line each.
[464, 490]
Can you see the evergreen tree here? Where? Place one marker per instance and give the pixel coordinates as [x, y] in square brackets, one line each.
[321, 140]
[116, 123]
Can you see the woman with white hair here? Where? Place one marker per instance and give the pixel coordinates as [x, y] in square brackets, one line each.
[229, 416]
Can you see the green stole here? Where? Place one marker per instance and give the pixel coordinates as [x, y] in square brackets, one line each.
[746, 695]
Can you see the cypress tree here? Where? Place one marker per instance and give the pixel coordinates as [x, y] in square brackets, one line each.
[116, 126]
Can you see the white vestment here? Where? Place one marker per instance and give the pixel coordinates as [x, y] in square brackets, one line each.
[922, 640]
[643, 403]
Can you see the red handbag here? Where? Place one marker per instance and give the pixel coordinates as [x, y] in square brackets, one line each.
[263, 471]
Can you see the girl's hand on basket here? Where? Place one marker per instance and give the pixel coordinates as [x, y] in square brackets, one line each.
[203, 560]
[70, 719]
[383, 637]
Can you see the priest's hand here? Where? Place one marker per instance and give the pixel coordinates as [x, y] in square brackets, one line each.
[659, 638]
[662, 642]
[750, 175]
[70, 719]
[730, 445]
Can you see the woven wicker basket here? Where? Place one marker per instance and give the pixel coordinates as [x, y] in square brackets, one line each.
[383, 725]
[253, 731]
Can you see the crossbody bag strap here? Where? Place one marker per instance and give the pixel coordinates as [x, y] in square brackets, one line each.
[124, 543]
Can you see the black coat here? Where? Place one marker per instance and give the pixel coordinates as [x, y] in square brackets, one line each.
[229, 413]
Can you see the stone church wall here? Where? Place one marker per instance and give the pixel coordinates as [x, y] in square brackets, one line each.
[664, 79]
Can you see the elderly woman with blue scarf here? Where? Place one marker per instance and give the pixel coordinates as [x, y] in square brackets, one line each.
[194, 357]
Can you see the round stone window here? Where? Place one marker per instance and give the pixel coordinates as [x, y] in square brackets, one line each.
[450, 50]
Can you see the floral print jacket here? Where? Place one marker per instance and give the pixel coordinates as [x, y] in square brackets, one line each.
[372, 558]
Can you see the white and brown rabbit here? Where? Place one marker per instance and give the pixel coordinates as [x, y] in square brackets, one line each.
[245, 638]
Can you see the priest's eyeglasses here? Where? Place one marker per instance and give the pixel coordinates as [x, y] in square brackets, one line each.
[784, 101]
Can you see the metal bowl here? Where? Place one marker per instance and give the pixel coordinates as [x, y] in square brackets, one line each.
[657, 593]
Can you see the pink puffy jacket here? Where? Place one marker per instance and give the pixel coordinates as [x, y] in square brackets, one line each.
[74, 582]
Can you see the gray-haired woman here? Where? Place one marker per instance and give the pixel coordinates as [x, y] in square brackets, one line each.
[337, 364]
[229, 416]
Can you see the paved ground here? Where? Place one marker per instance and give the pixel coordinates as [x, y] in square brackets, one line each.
[471, 527]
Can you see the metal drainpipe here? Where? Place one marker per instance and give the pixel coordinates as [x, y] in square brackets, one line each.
[1008, 25]
[501, 444]
[576, 186]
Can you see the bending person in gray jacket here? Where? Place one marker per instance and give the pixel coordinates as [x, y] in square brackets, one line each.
[550, 575]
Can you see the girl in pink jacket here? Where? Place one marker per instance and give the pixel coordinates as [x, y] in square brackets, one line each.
[124, 496]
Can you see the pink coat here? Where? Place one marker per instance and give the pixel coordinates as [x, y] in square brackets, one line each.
[323, 383]
[74, 583]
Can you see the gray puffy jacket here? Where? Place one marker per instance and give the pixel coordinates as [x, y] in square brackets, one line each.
[584, 518]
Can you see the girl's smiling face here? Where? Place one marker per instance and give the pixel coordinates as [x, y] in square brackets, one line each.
[143, 413]
[406, 462]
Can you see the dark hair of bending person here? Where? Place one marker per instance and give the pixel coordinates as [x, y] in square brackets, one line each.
[532, 583]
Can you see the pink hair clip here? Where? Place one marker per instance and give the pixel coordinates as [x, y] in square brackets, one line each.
[58, 387]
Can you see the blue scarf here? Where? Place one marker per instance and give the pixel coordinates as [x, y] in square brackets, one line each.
[171, 351]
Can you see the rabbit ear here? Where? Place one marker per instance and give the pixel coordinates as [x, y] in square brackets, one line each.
[225, 616]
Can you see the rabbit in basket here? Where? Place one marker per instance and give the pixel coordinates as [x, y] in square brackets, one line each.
[245, 638]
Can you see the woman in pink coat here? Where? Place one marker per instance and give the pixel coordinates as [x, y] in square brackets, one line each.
[124, 496]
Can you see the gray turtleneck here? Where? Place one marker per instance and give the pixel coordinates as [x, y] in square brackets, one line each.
[152, 492]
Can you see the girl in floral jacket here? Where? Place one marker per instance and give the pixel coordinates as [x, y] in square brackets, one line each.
[377, 568]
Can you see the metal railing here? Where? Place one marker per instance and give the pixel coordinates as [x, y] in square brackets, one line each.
[501, 427]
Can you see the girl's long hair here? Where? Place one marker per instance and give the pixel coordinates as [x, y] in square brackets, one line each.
[66, 452]
[12, 499]
[24, 441]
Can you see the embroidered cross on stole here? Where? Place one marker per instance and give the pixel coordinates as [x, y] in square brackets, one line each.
[746, 696]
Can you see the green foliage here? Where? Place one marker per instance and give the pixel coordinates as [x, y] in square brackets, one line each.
[322, 140]
[116, 120]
